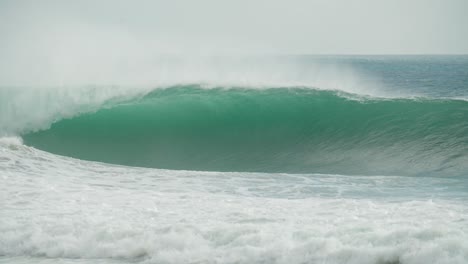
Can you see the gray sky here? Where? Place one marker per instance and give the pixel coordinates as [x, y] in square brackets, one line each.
[45, 42]
[217, 26]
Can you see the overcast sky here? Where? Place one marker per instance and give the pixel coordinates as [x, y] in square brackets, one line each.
[54, 42]
[221, 26]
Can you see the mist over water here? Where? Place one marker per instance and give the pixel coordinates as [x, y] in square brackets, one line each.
[82, 92]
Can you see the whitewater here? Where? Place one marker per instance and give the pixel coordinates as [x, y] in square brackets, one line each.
[303, 159]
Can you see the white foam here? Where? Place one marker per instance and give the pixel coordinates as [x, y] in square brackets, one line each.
[24, 109]
[58, 207]
[11, 141]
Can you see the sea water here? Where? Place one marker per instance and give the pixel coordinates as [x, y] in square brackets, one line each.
[335, 159]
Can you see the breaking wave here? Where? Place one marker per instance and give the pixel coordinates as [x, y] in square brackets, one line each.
[290, 129]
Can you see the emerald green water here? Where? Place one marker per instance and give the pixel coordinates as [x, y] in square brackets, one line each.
[292, 130]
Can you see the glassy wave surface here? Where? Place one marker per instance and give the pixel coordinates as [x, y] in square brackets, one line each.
[295, 130]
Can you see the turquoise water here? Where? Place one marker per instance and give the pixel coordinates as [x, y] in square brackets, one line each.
[297, 159]
[292, 130]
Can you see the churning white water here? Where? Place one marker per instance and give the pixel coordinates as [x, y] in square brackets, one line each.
[61, 210]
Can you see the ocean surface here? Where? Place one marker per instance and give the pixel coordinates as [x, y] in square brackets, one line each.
[296, 159]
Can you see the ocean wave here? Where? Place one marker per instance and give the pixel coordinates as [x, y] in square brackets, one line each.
[294, 130]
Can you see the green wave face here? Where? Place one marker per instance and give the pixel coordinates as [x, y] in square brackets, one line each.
[290, 130]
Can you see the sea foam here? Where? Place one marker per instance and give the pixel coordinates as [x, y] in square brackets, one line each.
[58, 207]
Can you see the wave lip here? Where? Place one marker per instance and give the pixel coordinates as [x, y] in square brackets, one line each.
[294, 130]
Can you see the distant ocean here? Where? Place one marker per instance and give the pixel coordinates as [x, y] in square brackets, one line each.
[337, 159]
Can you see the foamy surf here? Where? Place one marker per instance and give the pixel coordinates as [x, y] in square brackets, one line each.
[60, 208]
